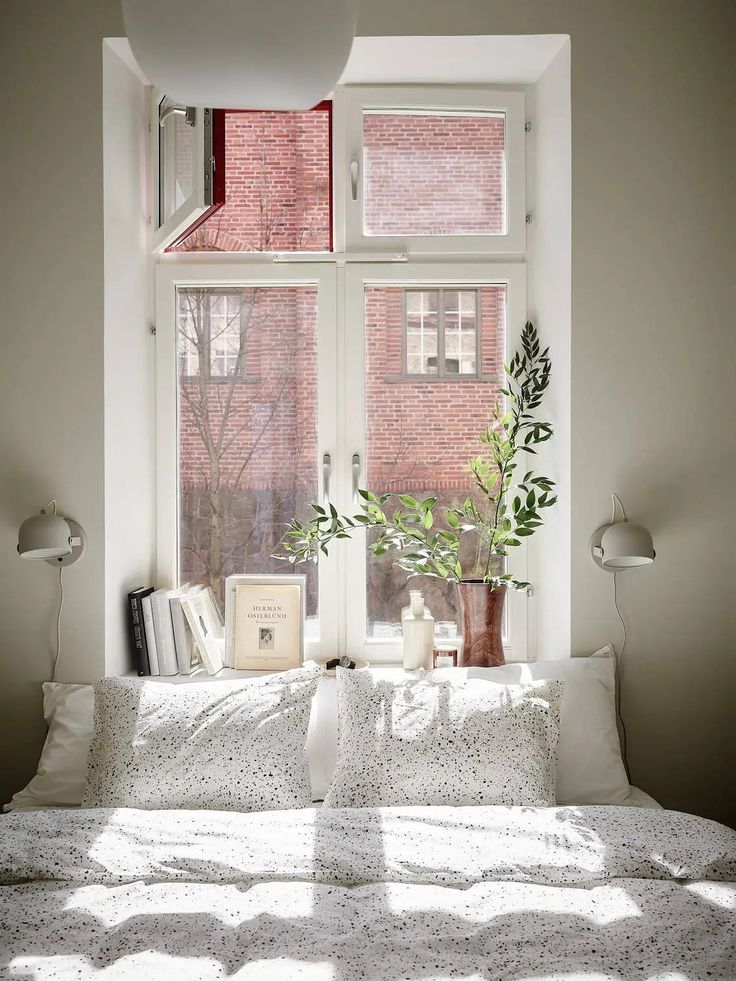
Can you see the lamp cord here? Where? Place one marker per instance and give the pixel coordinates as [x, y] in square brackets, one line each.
[619, 662]
[58, 622]
[615, 499]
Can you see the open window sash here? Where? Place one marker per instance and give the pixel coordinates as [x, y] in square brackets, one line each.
[188, 146]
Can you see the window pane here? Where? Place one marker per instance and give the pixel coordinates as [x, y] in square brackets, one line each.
[277, 185]
[419, 436]
[247, 440]
[422, 329]
[460, 332]
[428, 173]
[176, 150]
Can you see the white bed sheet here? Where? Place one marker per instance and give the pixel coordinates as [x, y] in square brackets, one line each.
[396, 893]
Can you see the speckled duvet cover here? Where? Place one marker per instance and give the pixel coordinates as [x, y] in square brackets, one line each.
[395, 893]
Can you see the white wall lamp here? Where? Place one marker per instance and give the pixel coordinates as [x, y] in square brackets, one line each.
[615, 547]
[57, 540]
[235, 54]
[621, 544]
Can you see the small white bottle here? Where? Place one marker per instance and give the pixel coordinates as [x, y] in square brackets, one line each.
[417, 626]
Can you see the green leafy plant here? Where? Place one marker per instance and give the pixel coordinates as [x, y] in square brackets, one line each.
[507, 512]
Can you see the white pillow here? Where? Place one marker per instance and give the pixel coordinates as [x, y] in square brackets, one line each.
[230, 745]
[418, 741]
[59, 781]
[68, 710]
[590, 769]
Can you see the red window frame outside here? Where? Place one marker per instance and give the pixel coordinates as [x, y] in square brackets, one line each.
[219, 152]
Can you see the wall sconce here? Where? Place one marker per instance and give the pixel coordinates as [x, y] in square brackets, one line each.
[56, 540]
[621, 544]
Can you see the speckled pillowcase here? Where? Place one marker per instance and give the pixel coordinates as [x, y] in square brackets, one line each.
[237, 746]
[422, 742]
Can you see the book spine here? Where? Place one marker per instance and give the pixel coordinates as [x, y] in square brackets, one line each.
[151, 644]
[139, 636]
[164, 630]
[182, 637]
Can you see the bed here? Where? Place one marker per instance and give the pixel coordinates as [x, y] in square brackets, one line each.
[421, 891]
[394, 893]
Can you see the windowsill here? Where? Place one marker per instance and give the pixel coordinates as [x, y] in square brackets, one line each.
[435, 379]
[223, 379]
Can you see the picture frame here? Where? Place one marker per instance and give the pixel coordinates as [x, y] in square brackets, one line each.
[264, 622]
[206, 627]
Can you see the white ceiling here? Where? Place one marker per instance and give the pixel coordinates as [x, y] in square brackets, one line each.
[499, 59]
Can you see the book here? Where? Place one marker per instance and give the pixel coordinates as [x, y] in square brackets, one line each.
[137, 629]
[200, 611]
[164, 630]
[150, 635]
[268, 623]
[183, 639]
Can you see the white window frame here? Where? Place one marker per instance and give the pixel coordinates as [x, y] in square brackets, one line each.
[340, 278]
[199, 201]
[352, 435]
[174, 271]
[348, 105]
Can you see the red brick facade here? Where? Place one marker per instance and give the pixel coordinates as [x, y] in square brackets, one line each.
[421, 433]
[433, 175]
[277, 185]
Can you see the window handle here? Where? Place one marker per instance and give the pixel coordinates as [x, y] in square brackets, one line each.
[326, 474]
[354, 174]
[356, 476]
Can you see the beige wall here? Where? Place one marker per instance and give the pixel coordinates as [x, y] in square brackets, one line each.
[652, 315]
[51, 349]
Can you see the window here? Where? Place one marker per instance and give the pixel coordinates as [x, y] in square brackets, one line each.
[211, 333]
[441, 332]
[416, 433]
[305, 374]
[277, 185]
[188, 147]
[434, 170]
[429, 173]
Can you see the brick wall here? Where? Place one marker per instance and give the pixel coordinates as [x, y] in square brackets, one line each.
[421, 433]
[433, 175]
[277, 185]
[267, 417]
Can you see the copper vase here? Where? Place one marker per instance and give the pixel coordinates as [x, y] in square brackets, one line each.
[481, 614]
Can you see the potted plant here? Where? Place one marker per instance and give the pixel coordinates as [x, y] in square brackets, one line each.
[505, 511]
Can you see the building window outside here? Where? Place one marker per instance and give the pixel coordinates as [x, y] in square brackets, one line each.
[210, 333]
[441, 333]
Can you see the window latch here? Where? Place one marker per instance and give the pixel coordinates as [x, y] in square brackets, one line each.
[326, 474]
[354, 174]
[356, 476]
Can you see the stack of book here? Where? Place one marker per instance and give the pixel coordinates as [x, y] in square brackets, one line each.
[174, 631]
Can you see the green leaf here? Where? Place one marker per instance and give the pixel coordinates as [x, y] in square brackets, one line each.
[408, 501]
[428, 520]
[452, 519]
[366, 495]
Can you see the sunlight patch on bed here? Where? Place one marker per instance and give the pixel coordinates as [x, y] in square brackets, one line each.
[601, 905]
[721, 894]
[232, 905]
